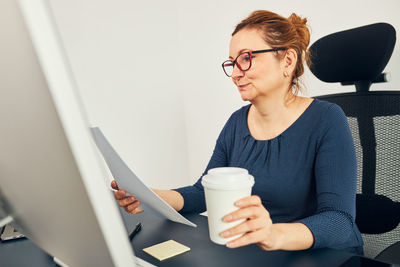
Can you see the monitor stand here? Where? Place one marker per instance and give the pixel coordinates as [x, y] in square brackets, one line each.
[10, 233]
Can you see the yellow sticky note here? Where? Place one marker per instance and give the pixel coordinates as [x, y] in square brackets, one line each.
[166, 250]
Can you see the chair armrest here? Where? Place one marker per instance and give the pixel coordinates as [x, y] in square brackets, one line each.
[390, 254]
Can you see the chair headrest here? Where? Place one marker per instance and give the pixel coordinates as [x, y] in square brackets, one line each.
[353, 55]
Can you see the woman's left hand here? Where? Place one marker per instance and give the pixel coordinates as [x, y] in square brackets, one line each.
[258, 227]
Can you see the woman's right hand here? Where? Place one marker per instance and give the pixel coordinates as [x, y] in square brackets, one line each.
[130, 204]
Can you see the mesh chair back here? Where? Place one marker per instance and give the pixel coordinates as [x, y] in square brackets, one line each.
[374, 119]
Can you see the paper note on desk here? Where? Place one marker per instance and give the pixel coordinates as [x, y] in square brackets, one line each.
[127, 180]
[166, 250]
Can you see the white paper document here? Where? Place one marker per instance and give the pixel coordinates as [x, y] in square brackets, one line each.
[127, 179]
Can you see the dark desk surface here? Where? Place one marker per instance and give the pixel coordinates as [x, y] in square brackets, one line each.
[203, 252]
[206, 253]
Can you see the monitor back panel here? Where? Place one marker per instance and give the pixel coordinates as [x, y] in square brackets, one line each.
[41, 182]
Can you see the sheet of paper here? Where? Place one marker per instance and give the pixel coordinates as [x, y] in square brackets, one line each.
[166, 250]
[127, 179]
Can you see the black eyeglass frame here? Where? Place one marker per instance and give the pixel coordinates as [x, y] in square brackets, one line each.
[234, 62]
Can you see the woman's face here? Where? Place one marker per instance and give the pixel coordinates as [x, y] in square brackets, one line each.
[266, 73]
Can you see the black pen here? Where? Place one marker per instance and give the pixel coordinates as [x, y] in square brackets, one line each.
[135, 230]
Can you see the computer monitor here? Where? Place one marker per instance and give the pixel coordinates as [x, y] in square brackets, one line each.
[52, 182]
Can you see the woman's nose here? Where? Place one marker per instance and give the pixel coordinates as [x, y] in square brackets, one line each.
[237, 73]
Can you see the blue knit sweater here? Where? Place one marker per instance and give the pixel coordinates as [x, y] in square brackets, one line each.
[307, 174]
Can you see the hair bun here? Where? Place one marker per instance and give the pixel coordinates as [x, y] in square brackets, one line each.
[302, 30]
[297, 20]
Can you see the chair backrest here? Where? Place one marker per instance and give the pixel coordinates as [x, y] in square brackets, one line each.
[358, 56]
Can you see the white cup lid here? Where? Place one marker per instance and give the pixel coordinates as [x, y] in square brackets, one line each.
[227, 178]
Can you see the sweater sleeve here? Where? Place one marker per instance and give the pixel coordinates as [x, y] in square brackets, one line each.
[194, 199]
[333, 223]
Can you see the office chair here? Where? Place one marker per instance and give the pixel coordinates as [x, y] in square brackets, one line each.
[358, 57]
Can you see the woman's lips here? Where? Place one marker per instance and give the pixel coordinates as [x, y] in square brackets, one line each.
[242, 86]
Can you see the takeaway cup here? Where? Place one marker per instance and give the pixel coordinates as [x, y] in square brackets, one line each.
[222, 188]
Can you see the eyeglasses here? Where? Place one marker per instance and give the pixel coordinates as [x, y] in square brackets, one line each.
[244, 60]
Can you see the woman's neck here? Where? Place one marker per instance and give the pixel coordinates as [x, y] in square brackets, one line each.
[273, 108]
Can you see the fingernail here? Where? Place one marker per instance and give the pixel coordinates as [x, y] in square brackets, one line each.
[230, 244]
[227, 218]
[225, 234]
[238, 203]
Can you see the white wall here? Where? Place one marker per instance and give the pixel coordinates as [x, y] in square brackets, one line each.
[118, 50]
[151, 78]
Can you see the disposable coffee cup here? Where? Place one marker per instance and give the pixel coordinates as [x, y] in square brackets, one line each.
[223, 187]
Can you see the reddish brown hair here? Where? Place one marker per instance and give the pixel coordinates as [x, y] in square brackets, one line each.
[284, 32]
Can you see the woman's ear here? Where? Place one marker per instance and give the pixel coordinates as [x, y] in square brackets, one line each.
[289, 61]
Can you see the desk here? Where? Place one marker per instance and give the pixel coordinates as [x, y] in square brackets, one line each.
[206, 253]
[203, 251]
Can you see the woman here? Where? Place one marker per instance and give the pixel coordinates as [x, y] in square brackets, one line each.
[299, 150]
